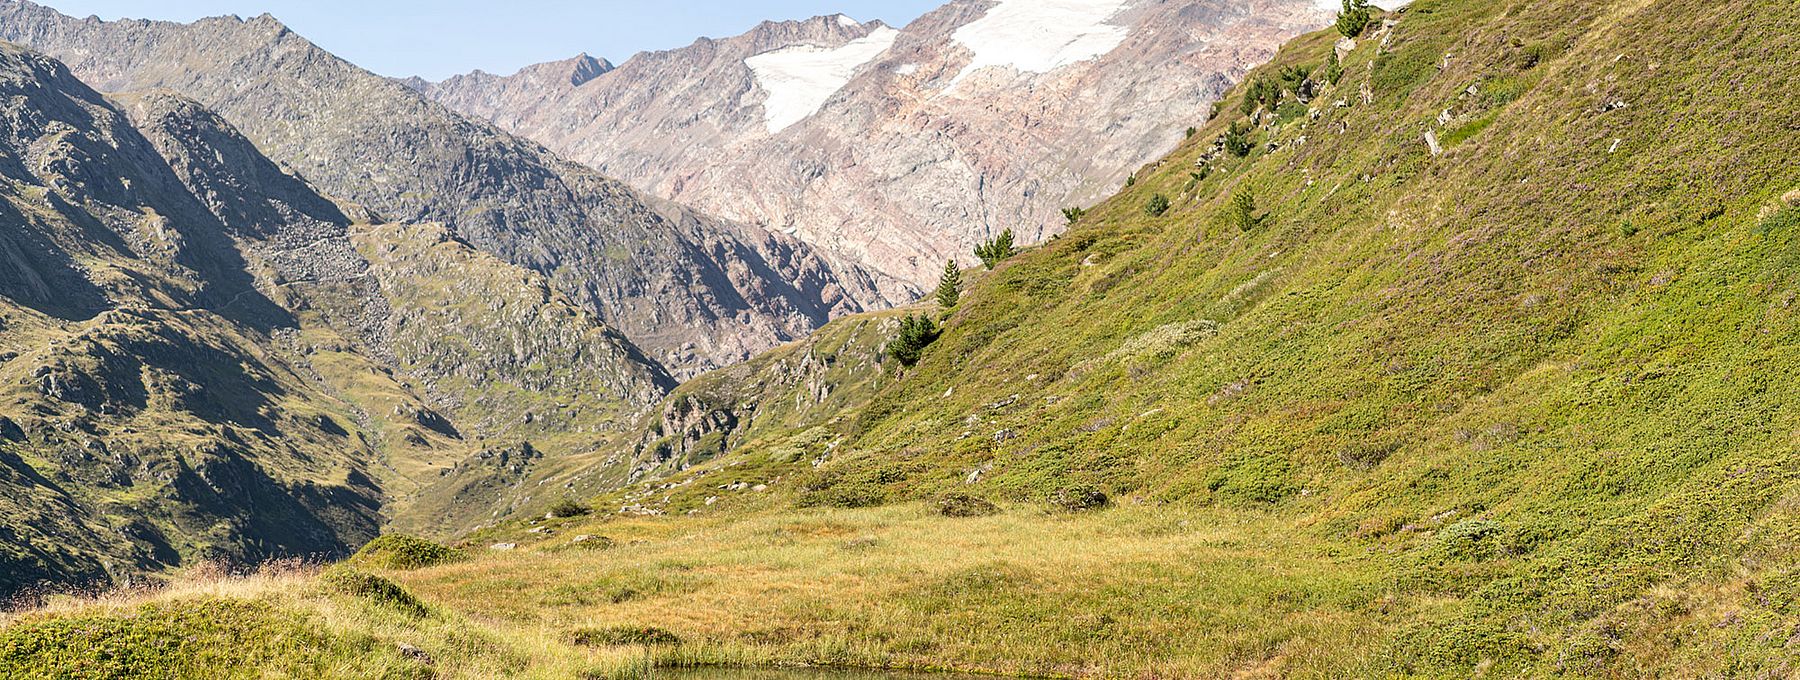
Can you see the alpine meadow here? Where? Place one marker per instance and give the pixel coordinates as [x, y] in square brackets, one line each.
[1032, 338]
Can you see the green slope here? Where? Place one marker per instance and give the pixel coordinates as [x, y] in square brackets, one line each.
[1547, 375]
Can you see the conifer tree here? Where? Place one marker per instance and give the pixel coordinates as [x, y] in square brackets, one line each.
[1354, 18]
[1243, 210]
[996, 250]
[949, 290]
[916, 333]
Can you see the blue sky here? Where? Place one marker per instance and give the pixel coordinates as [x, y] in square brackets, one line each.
[439, 38]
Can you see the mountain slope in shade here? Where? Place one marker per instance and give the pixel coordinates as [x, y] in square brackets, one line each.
[981, 116]
[695, 291]
[202, 358]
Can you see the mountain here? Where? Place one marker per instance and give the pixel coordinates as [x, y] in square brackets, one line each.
[694, 291]
[900, 148]
[205, 359]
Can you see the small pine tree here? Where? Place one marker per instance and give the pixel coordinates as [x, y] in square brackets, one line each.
[1158, 206]
[996, 250]
[1334, 68]
[1131, 180]
[1354, 18]
[949, 290]
[1074, 215]
[1242, 212]
[916, 333]
[1237, 139]
[1191, 131]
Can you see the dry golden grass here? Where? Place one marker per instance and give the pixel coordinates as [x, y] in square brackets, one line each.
[1111, 593]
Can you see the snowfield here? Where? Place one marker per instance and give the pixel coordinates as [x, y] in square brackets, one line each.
[1040, 36]
[799, 80]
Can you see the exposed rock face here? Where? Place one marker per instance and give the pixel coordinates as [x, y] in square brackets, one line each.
[695, 291]
[981, 116]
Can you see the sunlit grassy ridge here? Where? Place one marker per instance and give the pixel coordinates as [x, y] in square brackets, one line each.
[1519, 409]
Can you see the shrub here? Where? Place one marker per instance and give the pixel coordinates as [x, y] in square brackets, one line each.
[1191, 131]
[1079, 498]
[1468, 540]
[1237, 139]
[1293, 78]
[399, 551]
[1262, 93]
[1366, 455]
[1073, 215]
[996, 250]
[1334, 68]
[949, 290]
[1785, 219]
[1157, 206]
[958, 504]
[372, 588]
[1131, 180]
[622, 636]
[1354, 18]
[566, 508]
[916, 333]
[1242, 212]
[846, 495]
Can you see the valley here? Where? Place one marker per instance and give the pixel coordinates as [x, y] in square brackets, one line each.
[1454, 341]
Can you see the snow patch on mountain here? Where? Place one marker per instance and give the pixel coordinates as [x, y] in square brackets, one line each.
[799, 80]
[1040, 36]
[847, 22]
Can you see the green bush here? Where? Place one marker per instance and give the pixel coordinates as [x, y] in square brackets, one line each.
[1468, 540]
[376, 589]
[916, 333]
[1157, 206]
[996, 250]
[958, 504]
[1079, 498]
[1334, 68]
[622, 636]
[399, 551]
[567, 508]
[1073, 215]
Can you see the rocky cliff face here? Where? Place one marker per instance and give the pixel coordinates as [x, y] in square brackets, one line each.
[695, 291]
[898, 149]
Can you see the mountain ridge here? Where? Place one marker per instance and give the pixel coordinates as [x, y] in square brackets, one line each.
[721, 291]
[895, 169]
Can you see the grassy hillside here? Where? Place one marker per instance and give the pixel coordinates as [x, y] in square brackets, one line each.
[1517, 407]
